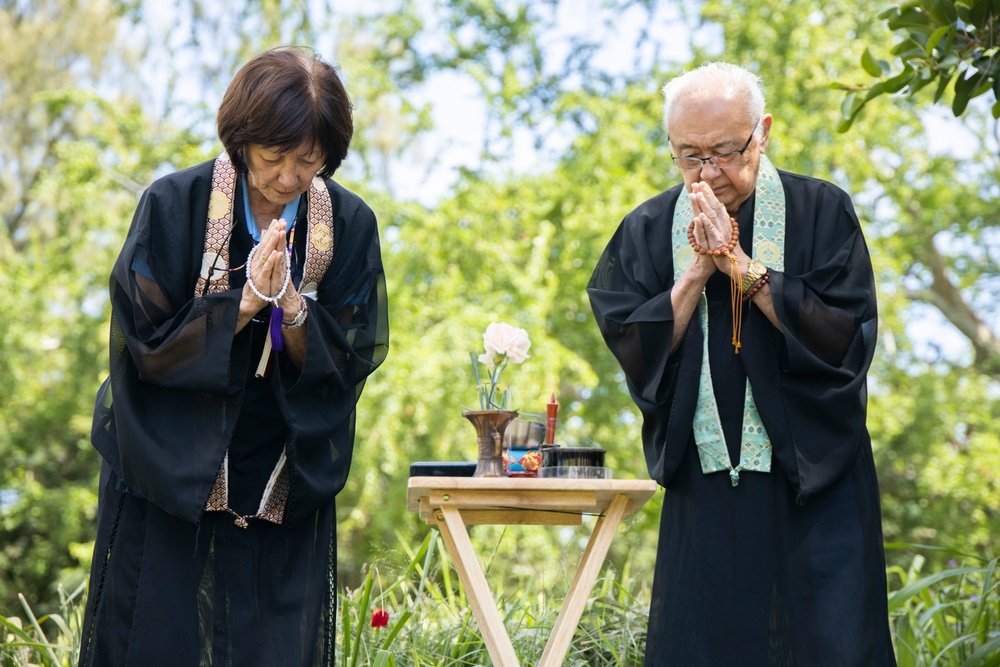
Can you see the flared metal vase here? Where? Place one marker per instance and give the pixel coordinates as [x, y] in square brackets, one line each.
[490, 426]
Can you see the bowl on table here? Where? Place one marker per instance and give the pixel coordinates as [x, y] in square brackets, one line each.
[573, 463]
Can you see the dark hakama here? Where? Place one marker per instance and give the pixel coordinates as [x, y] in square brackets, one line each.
[786, 569]
[170, 583]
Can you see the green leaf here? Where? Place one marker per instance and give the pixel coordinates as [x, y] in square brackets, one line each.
[950, 61]
[362, 609]
[15, 629]
[931, 547]
[873, 92]
[910, 18]
[869, 64]
[942, 11]
[936, 37]
[898, 82]
[908, 45]
[917, 83]
[897, 599]
[942, 85]
[403, 618]
[984, 594]
[996, 110]
[987, 651]
[847, 106]
[980, 12]
[38, 629]
[988, 66]
[984, 84]
[963, 92]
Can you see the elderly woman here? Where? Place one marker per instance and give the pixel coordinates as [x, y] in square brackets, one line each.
[741, 307]
[248, 308]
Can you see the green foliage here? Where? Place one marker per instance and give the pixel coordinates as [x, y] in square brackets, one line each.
[52, 640]
[505, 245]
[71, 175]
[951, 45]
[431, 623]
[948, 618]
[937, 467]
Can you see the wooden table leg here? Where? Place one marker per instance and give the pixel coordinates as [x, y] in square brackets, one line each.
[495, 636]
[583, 583]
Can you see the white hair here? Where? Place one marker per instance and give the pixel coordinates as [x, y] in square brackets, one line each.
[741, 82]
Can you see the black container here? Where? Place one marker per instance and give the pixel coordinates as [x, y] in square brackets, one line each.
[442, 469]
[556, 456]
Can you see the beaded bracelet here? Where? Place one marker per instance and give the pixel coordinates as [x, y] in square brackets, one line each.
[756, 287]
[724, 250]
[300, 317]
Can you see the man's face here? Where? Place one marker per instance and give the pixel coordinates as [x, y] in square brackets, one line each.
[703, 125]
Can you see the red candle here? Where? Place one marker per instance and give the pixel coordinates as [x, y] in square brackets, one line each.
[550, 424]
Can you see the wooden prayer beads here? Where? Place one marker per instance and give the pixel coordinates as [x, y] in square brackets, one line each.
[724, 250]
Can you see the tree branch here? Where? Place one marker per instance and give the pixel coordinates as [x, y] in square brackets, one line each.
[946, 297]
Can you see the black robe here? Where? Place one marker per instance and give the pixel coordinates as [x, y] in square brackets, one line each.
[170, 583]
[786, 569]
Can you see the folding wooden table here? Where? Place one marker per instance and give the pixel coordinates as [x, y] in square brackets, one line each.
[452, 503]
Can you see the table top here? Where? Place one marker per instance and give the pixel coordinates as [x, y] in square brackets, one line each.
[580, 495]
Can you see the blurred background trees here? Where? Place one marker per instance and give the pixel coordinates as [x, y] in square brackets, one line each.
[561, 99]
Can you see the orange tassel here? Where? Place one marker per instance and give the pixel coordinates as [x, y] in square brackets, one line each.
[737, 301]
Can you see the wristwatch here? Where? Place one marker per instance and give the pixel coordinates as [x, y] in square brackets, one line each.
[755, 272]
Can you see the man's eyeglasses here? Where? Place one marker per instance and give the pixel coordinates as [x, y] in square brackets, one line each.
[721, 160]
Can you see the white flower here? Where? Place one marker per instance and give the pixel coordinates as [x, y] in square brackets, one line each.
[504, 343]
[502, 338]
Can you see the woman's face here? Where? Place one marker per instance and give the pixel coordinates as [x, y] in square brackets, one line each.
[281, 177]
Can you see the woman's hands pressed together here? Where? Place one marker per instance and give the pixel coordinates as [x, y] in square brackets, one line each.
[267, 270]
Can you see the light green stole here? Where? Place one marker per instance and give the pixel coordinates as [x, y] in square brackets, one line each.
[769, 248]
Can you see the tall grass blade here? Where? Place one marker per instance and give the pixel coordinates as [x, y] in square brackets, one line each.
[987, 655]
[44, 646]
[906, 592]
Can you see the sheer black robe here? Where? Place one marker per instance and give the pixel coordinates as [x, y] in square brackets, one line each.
[171, 584]
[786, 569]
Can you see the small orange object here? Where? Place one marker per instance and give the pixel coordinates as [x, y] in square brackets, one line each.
[550, 424]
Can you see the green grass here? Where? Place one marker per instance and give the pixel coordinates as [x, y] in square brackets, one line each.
[431, 622]
[949, 618]
[50, 640]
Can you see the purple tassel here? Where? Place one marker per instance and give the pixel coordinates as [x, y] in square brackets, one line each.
[277, 342]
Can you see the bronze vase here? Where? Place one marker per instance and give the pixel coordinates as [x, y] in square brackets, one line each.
[490, 426]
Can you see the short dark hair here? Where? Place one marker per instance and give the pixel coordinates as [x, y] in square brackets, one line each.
[283, 98]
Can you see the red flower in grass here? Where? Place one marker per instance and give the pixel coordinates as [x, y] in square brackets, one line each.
[380, 618]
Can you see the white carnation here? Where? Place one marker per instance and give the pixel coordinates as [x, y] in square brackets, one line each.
[503, 338]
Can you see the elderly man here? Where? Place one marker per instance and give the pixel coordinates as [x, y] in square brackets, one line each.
[741, 306]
